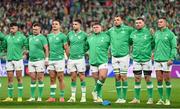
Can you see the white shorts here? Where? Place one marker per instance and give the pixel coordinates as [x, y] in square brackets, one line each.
[95, 69]
[14, 65]
[121, 63]
[162, 66]
[36, 66]
[147, 66]
[78, 65]
[58, 66]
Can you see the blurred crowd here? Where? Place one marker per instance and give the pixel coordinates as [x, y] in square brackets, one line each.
[25, 12]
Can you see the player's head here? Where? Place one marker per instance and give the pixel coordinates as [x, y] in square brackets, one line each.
[139, 23]
[56, 25]
[118, 20]
[13, 28]
[162, 22]
[97, 28]
[36, 28]
[77, 24]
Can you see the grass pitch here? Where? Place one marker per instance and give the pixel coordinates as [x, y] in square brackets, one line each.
[109, 93]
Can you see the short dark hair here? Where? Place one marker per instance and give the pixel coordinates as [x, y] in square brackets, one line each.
[36, 24]
[164, 18]
[120, 15]
[78, 20]
[96, 23]
[13, 24]
[140, 18]
[58, 20]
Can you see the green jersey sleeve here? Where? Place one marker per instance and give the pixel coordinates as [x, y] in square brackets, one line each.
[44, 41]
[64, 39]
[173, 46]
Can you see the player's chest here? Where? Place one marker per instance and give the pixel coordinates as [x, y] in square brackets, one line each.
[76, 38]
[120, 34]
[35, 41]
[54, 40]
[141, 37]
[14, 40]
[161, 37]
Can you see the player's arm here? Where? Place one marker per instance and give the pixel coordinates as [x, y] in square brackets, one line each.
[87, 44]
[108, 32]
[1, 36]
[66, 48]
[46, 49]
[173, 47]
[4, 44]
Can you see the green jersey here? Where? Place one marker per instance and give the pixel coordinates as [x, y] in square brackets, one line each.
[120, 40]
[36, 47]
[14, 45]
[165, 45]
[1, 36]
[77, 42]
[98, 45]
[142, 41]
[56, 46]
[1, 41]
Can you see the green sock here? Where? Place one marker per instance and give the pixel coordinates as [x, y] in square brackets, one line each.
[83, 88]
[118, 89]
[61, 93]
[53, 90]
[125, 87]
[160, 89]
[33, 87]
[99, 88]
[168, 89]
[137, 90]
[149, 89]
[73, 89]
[20, 89]
[40, 88]
[10, 90]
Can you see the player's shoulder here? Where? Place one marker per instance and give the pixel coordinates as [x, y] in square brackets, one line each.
[91, 36]
[83, 32]
[50, 34]
[42, 35]
[111, 29]
[134, 32]
[7, 36]
[62, 34]
[169, 31]
[103, 34]
[70, 32]
[128, 27]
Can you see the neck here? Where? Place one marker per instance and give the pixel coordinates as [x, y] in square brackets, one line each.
[13, 33]
[56, 32]
[119, 25]
[162, 28]
[97, 33]
[37, 34]
[77, 30]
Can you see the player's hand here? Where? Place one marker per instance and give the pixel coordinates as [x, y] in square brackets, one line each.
[170, 62]
[46, 62]
[152, 56]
